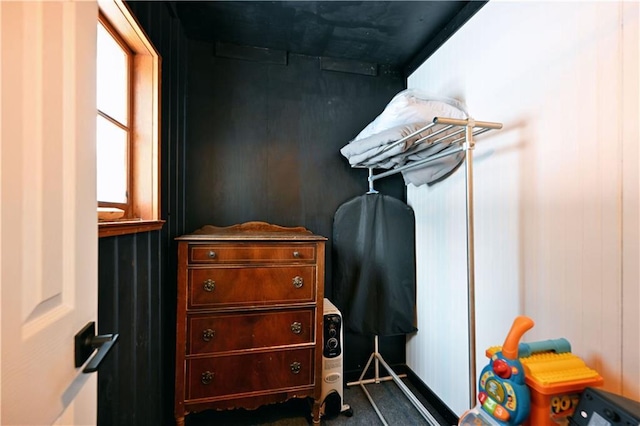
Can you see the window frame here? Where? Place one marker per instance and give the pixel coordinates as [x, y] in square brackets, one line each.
[128, 127]
[143, 212]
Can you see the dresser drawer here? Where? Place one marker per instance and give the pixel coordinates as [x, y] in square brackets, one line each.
[249, 373]
[238, 331]
[249, 286]
[251, 253]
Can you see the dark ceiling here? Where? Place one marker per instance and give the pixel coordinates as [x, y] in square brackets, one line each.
[400, 34]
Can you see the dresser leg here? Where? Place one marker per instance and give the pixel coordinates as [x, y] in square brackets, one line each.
[316, 412]
[180, 421]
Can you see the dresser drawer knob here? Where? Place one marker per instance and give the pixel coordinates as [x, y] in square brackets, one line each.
[207, 377]
[208, 334]
[209, 285]
[212, 254]
[295, 367]
[296, 327]
[298, 282]
[296, 254]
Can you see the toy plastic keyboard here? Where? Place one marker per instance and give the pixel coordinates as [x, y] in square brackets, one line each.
[548, 369]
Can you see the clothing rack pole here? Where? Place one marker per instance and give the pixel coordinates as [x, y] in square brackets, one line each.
[469, 145]
[377, 358]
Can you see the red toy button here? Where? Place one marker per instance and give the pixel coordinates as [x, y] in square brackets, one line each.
[482, 397]
[501, 368]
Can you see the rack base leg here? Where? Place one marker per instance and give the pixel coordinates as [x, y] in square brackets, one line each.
[375, 356]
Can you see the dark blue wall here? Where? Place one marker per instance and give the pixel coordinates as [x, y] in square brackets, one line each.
[137, 273]
[241, 141]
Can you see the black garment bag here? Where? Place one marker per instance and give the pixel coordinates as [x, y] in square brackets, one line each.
[374, 265]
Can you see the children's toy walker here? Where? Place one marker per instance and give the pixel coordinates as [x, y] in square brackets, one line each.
[530, 384]
[503, 395]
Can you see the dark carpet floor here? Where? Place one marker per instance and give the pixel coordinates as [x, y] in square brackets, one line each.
[395, 407]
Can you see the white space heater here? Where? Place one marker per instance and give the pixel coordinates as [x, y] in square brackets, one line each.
[332, 370]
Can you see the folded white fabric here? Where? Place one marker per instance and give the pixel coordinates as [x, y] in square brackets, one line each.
[412, 106]
[433, 171]
[379, 149]
[390, 140]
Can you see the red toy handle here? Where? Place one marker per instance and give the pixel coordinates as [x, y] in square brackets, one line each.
[520, 326]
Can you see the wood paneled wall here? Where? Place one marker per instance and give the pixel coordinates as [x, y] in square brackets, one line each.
[556, 192]
[131, 381]
[137, 273]
[240, 141]
[264, 144]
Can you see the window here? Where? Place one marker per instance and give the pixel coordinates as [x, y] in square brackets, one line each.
[112, 122]
[127, 124]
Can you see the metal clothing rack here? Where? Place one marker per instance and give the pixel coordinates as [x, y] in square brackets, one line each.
[377, 358]
[448, 132]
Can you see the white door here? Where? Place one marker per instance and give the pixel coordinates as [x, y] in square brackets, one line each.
[48, 231]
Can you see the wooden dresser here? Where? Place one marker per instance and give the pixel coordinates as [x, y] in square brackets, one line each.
[249, 317]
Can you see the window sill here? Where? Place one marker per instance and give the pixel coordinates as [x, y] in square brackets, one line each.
[110, 229]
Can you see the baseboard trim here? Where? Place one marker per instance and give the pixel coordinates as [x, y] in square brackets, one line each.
[430, 396]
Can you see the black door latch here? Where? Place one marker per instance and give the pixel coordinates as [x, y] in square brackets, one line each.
[86, 342]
